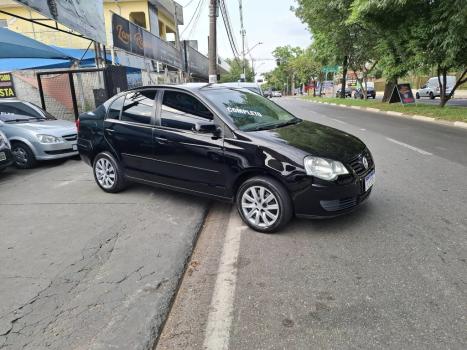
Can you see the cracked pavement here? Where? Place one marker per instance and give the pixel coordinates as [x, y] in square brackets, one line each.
[82, 269]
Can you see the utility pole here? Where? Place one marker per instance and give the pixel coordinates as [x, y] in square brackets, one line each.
[243, 33]
[213, 13]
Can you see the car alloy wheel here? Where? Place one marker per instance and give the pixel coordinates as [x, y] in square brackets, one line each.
[105, 173]
[260, 206]
[21, 156]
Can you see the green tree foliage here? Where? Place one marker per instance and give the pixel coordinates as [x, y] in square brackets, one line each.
[418, 34]
[236, 69]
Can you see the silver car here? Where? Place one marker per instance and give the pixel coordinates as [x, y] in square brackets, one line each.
[34, 134]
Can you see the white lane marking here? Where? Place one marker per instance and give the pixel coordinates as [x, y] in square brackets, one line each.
[337, 120]
[425, 153]
[220, 316]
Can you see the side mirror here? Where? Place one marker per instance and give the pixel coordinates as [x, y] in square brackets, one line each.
[208, 128]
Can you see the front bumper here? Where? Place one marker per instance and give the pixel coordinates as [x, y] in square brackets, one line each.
[55, 150]
[317, 199]
[4, 163]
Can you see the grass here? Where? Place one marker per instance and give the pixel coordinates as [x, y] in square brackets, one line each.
[451, 113]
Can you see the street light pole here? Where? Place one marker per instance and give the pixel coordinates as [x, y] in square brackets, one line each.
[243, 33]
[212, 42]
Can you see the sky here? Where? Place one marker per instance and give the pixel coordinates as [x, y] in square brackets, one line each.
[268, 21]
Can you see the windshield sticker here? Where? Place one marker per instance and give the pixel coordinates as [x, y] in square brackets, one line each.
[244, 111]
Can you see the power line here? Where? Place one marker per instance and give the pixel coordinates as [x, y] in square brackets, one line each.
[189, 3]
[195, 23]
[228, 28]
[192, 17]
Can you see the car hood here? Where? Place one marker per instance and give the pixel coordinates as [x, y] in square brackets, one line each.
[315, 139]
[50, 127]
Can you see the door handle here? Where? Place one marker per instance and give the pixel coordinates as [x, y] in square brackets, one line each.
[110, 130]
[161, 140]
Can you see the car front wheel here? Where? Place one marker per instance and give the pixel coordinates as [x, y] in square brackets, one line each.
[23, 155]
[108, 173]
[417, 96]
[264, 204]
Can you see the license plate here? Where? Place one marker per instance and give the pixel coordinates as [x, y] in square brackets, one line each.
[2, 156]
[75, 147]
[370, 180]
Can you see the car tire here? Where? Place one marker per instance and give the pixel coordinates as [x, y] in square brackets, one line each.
[108, 173]
[417, 96]
[24, 157]
[255, 212]
[432, 96]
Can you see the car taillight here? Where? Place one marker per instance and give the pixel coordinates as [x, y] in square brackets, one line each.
[77, 124]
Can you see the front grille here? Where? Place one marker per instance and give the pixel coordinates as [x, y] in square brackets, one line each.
[71, 137]
[357, 164]
[339, 204]
[61, 151]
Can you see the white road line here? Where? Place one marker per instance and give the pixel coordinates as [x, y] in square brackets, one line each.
[220, 316]
[425, 153]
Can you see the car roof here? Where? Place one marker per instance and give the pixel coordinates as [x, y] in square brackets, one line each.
[188, 86]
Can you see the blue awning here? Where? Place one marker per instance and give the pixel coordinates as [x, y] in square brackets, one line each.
[12, 64]
[15, 45]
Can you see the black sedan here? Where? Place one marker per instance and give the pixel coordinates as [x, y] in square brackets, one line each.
[348, 92]
[370, 93]
[6, 158]
[228, 144]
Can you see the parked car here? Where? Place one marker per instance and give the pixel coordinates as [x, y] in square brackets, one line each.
[370, 93]
[6, 158]
[431, 88]
[227, 144]
[267, 93]
[276, 94]
[348, 92]
[256, 88]
[34, 134]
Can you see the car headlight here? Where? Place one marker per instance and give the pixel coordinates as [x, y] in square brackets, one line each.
[48, 139]
[4, 143]
[325, 169]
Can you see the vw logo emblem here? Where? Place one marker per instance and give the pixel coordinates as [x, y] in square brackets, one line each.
[365, 162]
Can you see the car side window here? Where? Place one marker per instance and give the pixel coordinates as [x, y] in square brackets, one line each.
[139, 106]
[182, 111]
[115, 108]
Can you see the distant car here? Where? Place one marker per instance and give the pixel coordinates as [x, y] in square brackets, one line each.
[348, 92]
[244, 85]
[267, 93]
[370, 92]
[6, 158]
[35, 134]
[431, 88]
[276, 94]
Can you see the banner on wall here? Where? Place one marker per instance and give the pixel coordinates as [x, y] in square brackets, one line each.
[7, 88]
[132, 38]
[84, 17]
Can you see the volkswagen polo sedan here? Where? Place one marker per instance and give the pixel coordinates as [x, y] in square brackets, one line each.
[229, 144]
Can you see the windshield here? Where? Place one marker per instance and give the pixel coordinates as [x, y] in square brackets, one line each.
[249, 111]
[22, 112]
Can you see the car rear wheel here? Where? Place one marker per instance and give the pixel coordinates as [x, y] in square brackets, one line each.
[23, 156]
[264, 204]
[417, 96]
[108, 173]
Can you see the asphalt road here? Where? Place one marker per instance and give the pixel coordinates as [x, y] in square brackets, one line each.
[82, 269]
[392, 275]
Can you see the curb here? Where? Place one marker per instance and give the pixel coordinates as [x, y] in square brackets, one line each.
[423, 118]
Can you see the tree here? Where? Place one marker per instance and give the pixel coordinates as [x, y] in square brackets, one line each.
[417, 34]
[328, 22]
[236, 69]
